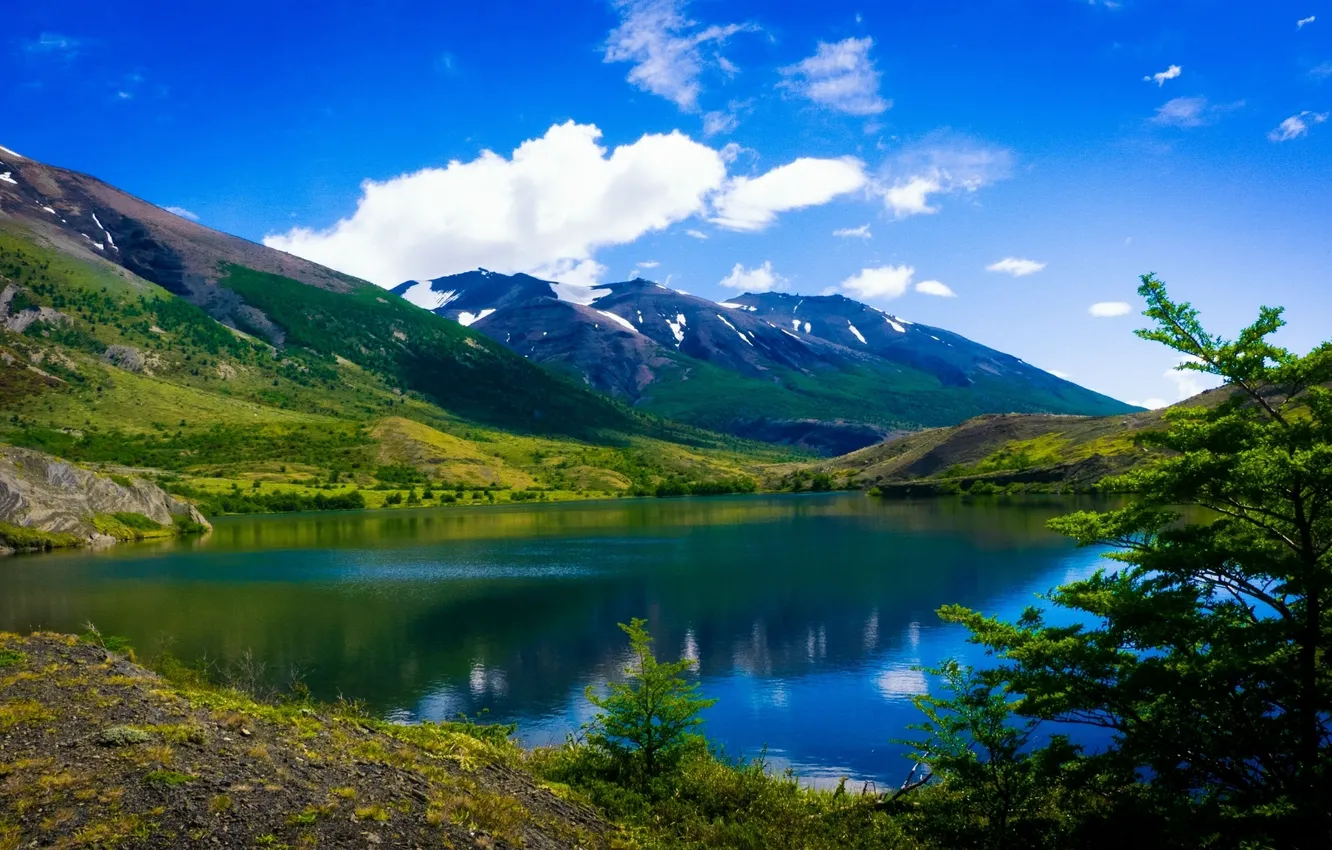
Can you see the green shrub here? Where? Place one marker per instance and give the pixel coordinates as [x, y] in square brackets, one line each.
[646, 722]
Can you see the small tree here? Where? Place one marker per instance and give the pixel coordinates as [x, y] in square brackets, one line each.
[646, 722]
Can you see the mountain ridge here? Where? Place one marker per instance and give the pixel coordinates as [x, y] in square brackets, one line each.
[857, 371]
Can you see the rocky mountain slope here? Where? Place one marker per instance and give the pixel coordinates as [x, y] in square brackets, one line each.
[825, 372]
[291, 304]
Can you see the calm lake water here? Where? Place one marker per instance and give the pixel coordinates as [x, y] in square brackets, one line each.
[806, 614]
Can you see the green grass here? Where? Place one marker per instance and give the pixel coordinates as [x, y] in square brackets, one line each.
[22, 538]
[169, 778]
[131, 526]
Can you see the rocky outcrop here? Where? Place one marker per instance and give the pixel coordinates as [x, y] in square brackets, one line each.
[19, 320]
[130, 359]
[43, 493]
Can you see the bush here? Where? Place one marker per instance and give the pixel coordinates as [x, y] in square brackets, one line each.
[646, 722]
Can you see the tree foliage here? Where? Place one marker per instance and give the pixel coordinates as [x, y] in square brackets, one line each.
[1203, 650]
[647, 721]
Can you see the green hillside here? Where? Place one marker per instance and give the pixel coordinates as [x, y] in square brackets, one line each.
[358, 393]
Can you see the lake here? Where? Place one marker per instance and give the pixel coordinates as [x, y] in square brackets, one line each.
[807, 614]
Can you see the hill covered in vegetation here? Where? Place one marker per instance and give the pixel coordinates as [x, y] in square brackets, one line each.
[365, 400]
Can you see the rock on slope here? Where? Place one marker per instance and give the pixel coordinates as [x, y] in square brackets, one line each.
[43, 493]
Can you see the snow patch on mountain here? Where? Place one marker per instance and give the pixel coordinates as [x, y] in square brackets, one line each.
[577, 293]
[859, 336]
[422, 295]
[468, 319]
[732, 327]
[677, 328]
[620, 320]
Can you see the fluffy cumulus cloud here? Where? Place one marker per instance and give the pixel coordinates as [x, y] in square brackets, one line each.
[1160, 77]
[935, 287]
[1296, 126]
[862, 232]
[939, 167]
[752, 203]
[1109, 309]
[545, 209]
[667, 49]
[840, 76]
[1016, 266]
[881, 283]
[758, 279]
[1187, 382]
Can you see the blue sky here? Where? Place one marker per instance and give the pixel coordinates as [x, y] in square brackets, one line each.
[730, 142]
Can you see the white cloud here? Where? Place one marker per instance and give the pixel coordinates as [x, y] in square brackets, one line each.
[1299, 25]
[648, 264]
[715, 123]
[545, 209]
[1150, 403]
[883, 282]
[1109, 309]
[1321, 72]
[697, 234]
[935, 287]
[1016, 266]
[1188, 383]
[862, 232]
[1296, 126]
[1059, 374]
[182, 212]
[1191, 111]
[758, 279]
[665, 48]
[839, 76]
[1160, 77]
[1182, 112]
[752, 203]
[939, 166]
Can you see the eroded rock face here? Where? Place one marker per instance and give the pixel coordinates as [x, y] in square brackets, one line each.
[19, 321]
[43, 492]
[130, 359]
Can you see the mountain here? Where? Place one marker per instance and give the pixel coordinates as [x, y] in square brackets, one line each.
[826, 372]
[246, 379]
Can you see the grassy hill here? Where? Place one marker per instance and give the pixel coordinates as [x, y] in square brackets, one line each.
[1002, 453]
[325, 393]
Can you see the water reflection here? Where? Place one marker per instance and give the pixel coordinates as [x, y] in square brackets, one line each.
[806, 614]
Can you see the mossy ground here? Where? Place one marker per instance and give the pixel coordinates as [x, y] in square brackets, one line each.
[96, 751]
